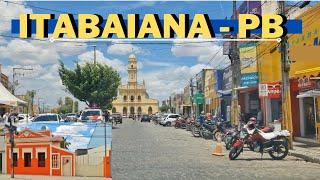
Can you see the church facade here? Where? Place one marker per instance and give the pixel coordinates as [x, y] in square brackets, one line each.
[133, 98]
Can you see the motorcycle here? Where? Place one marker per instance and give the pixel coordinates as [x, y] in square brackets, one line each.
[274, 143]
[190, 123]
[222, 128]
[181, 123]
[207, 129]
[195, 129]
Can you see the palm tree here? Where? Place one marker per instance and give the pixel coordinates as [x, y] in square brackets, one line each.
[64, 143]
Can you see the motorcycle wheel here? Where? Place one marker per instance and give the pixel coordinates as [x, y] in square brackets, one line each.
[234, 153]
[279, 151]
[193, 131]
[228, 142]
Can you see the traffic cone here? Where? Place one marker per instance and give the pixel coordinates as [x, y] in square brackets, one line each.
[217, 151]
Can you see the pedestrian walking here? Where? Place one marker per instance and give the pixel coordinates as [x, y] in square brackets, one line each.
[202, 118]
[106, 116]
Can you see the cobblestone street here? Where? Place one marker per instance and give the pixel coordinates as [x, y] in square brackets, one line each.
[148, 151]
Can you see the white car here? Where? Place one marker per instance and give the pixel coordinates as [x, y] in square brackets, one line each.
[169, 119]
[91, 115]
[24, 118]
[49, 117]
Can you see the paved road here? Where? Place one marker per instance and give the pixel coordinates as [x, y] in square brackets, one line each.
[148, 151]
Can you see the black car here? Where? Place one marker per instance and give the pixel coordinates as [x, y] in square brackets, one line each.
[117, 118]
[145, 118]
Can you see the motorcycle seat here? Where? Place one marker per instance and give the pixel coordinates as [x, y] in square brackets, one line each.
[272, 135]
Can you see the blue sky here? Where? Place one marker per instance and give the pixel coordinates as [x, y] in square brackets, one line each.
[166, 68]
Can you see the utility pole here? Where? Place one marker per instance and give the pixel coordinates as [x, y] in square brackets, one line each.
[12, 130]
[285, 68]
[94, 54]
[235, 67]
[191, 95]
[14, 73]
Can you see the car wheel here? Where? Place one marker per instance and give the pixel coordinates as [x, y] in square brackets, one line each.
[168, 123]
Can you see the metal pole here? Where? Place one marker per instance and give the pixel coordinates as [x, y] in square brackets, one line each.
[235, 67]
[94, 55]
[13, 80]
[105, 136]
[11, 144]
[315, 115]
[191, 97]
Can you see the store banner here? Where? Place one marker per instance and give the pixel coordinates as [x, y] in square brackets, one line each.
[249, 79]
[270, 90]
[247, 56]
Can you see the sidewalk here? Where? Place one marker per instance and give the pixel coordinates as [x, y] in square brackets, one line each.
[306, 151]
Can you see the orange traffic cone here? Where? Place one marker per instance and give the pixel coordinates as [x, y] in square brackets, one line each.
[217, 151]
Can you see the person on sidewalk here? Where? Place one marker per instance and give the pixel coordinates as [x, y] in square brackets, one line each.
[201, 118]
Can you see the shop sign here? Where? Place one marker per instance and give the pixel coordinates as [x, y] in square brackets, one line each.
[199, 98]
[270, 90]
[249, 79]
[305, 84]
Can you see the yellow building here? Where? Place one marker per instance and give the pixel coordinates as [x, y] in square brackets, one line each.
[210, 95]
[304, 75]
[133, 98]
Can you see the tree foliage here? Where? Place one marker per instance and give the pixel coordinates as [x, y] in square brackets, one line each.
[164, 108]
[91, 83]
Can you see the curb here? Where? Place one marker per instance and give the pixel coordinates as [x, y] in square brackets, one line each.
[305, 157]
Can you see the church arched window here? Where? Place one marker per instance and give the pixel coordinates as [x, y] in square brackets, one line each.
[139, 98]
[132, 98]
[124, 98]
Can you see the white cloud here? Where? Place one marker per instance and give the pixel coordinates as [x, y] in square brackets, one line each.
[72, 129]
[78, 142]
[205, 52]
[10, 11]
[156, 63]
[2, 41]
[124, 49]
[28, 53]
[161, 83]
[24, 52]
[114, 63]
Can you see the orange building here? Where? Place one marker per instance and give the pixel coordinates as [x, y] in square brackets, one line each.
[39, 153]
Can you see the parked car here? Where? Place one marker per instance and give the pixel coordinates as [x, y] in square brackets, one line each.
[50, 117]
[145, 118]
[91, 115]
[24, 118]
[117, 118]
[169, 119]
[71, 117]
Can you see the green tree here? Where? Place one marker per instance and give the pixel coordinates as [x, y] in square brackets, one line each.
[164, 108]
[64, 143]
[68, 102]
[91, 83]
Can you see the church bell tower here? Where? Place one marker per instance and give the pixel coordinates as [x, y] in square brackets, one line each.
[132, 71]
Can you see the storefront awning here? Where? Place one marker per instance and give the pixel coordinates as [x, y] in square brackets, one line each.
[225, 92]
[9, 99]
[308, 72]
[311, 93]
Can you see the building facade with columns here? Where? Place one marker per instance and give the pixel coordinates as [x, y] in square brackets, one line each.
[133, 98]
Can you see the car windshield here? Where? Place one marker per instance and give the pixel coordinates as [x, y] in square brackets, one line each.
[46, 118]
[91, 113]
